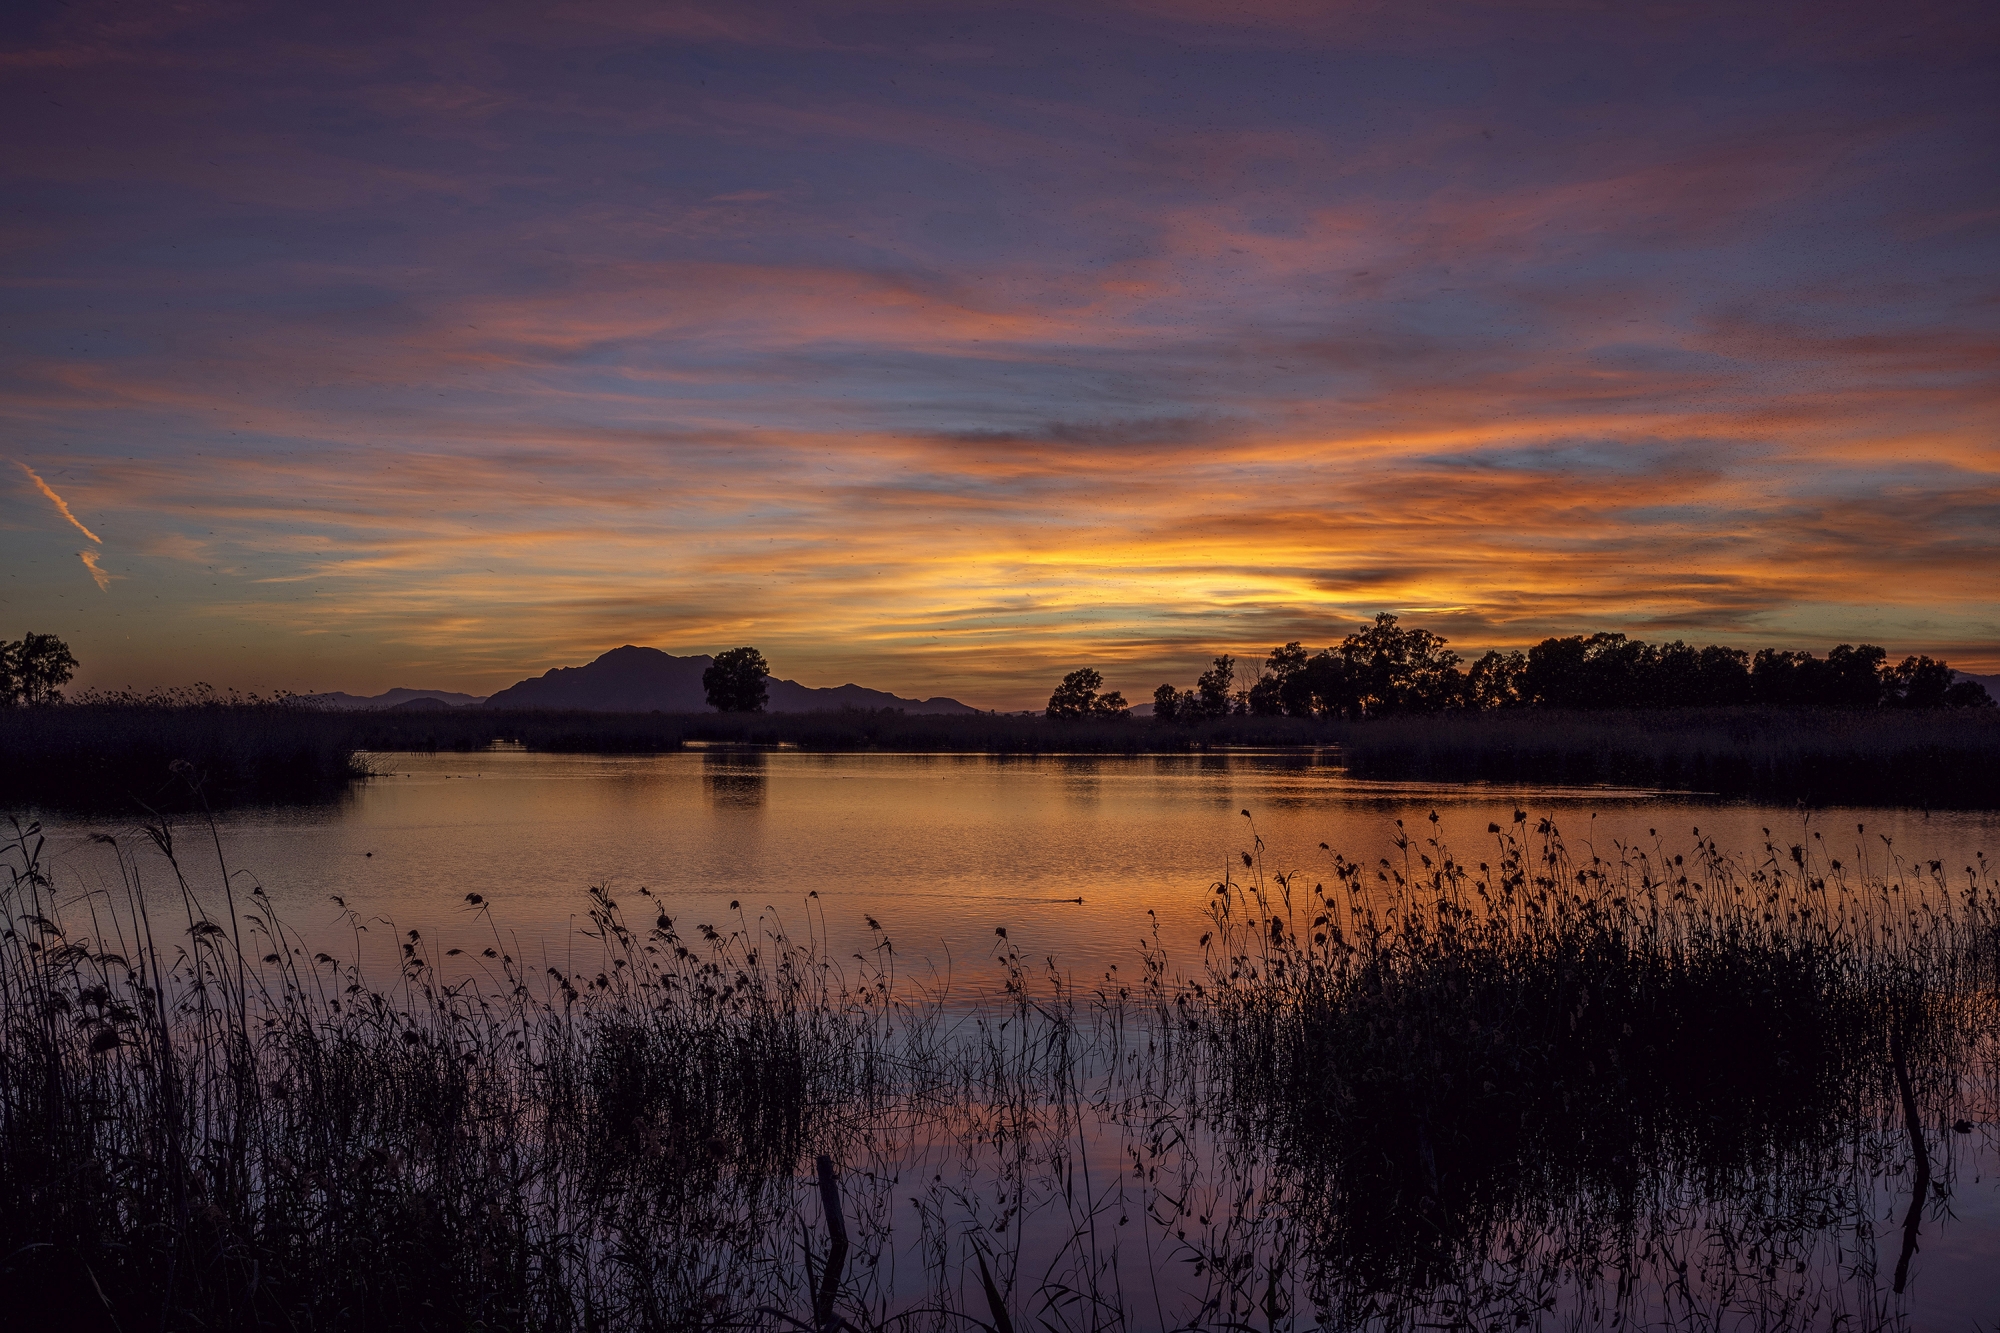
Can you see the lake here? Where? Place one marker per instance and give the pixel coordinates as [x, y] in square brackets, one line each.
[940, 849]
[1078, 859]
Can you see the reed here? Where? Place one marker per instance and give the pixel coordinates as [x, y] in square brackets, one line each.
[1441, 1048]
[1936, 759]
[1503, 1091]
[845, 730]
[119, 753]
[208, 1125]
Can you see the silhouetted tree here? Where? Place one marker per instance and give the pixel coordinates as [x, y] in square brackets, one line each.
[1674, 675]
[1282, 687]
[1555, 676]
[1723, 675]
[1612, 671]
[1384, 668]
[1856, 676]
[1849, 677]
[1397, 670]
[1779, 677]
[736, 682]
[34, 668]
[1077, 693]
[1262, 699]
[1925, 682]
[1919, 682]
[1967, 694]
[1329, 683]
[1579, 672]
[1213, 688]
[1077, 697]
[1495, 680]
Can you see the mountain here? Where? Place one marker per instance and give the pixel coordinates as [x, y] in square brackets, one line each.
[396, 698]
[788, 696]
[646, 680]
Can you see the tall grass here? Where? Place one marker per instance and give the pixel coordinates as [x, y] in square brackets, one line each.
[1452, 1056]
[1529, 1088]
[845, 730]
[119, 753]
[1820, 756]
[207, 1125]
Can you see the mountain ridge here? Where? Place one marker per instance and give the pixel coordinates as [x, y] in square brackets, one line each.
[396, 698]
[633, 679]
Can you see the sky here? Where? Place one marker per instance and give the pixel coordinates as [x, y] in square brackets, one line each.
[948, 347]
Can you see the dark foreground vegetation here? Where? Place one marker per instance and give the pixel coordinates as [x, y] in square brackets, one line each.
[1527, 1088]
[120, 754]
[127, 757]
[1815, 756]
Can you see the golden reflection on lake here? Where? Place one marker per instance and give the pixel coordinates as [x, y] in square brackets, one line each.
[940, 849]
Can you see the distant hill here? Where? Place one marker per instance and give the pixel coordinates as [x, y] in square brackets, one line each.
[423, 703]
[395, 698]
[645, 680]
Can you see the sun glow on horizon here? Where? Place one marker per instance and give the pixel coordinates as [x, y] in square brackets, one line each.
[948, 367]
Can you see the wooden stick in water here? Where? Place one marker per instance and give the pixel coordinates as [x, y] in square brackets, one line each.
[836, 1256]
[1921, 1187]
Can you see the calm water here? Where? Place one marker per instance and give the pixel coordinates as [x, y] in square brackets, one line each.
[940, 849]
[1070, 855]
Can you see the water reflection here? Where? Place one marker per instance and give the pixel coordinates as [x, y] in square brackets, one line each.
[941, 848]
[1607, 1086]
[735, 779]
[1557, 1092]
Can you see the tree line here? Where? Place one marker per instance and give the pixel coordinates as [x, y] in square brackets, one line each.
[1384, 669]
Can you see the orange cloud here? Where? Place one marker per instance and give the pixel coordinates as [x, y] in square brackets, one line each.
[973, 356]
[57, 501]
[100, 576]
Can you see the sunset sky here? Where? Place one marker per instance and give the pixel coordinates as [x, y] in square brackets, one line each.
[946, 347]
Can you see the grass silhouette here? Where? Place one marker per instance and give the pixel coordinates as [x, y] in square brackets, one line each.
[1491, 1091]
[1820, 756]
[118, 754]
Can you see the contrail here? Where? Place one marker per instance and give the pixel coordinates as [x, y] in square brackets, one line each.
[89, 559]
[57, 501]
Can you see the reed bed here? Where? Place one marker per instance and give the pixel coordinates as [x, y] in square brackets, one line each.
[211, 1126]
[118, 753]
[1941, 760]
[1535, 1053]
[1531, 1089]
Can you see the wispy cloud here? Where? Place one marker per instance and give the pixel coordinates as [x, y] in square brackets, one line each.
[102, 576]
[56, 500]
[923, 351]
